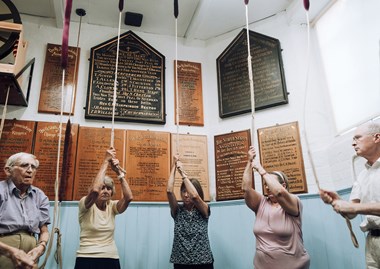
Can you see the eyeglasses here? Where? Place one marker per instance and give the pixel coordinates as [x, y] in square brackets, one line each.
[26, 166]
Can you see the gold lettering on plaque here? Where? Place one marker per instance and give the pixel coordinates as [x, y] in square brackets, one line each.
[280, 150]
[230, 161]
[189, 93]
[46, 151]
[140, 88]
[193, 154]
[50, 95]
[17, 136]
[92, 146]
[148, 164]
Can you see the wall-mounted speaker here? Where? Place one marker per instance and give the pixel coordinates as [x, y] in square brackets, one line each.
[133, 19]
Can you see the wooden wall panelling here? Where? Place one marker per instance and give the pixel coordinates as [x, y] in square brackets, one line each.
[280, 150]
[230, 162]
[148, 162]
[193, 154]
[46, 151]
[17, 136]
[92, 145]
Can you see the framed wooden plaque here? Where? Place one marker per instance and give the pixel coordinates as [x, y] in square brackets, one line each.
[148, 164]
[190, 96]
[46, 151]
[280, 150]
[92, 146]
[268, 75]
[193, 154]
[230, 162]
[50, 95]
[140, 79]
[17, 136]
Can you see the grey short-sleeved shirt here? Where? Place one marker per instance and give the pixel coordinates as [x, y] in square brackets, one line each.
[27, 213]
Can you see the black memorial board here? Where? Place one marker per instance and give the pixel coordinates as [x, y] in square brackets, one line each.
[268, 75]
[140, 90]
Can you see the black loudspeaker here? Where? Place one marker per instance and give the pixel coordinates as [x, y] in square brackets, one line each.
[133, 19]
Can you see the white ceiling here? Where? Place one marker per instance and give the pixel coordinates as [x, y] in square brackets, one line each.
[198, 19]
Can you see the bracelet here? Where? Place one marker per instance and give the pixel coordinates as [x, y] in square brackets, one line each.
[121, 176]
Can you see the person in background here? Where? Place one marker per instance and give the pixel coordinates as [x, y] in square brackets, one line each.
[278, 225]
[97, 248]
[191, 246]
[24, 211]
[365, 194]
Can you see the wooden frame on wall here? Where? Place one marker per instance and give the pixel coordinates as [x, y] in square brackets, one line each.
[268, 75]
[140, 81]
[280, 150]
[190, 96]
[50, 94]
[192, 151]
[230, 162]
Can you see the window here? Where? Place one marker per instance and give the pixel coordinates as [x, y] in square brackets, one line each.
[349, 40]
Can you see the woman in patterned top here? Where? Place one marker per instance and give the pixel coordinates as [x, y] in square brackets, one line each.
[278, 225]
[191, 246]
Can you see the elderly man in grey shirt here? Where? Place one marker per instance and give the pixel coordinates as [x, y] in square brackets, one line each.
[24, 210]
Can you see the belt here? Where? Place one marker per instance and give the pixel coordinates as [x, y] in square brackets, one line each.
[18, 232]
[375, 232]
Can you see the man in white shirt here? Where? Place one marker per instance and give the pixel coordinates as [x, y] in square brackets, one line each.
[365, 194]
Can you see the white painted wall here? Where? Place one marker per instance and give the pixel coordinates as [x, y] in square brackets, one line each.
[327, 241]
[307, 103]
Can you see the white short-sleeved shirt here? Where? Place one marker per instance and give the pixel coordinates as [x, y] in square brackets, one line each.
[367, 189]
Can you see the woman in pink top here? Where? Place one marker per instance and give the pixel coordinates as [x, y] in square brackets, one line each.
[278, 225]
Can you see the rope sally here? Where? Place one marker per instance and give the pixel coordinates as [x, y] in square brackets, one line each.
[64, 59]
[68, 141]
[306, 4]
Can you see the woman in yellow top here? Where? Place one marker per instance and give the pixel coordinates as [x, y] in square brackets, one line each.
[97, 249]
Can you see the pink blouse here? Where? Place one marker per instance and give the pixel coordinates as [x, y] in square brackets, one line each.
[279, 242]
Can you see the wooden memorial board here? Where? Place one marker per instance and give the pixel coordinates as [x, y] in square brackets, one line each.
[230, 162]
[148, 164]
[193, 155]
[141, 81]
[190, 96]
[268, 75]
[17, 136]
[280, 150]
[46, 151]
[50, 95]
[92, 146]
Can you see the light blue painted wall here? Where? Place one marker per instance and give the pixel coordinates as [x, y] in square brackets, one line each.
[144, 235]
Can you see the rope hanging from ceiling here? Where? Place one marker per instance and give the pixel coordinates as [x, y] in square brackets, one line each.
[306, 5]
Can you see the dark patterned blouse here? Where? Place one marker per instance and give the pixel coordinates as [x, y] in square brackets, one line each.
[191, 244]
